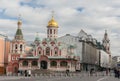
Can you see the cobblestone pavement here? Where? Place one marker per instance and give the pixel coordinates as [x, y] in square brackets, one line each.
[83, 76]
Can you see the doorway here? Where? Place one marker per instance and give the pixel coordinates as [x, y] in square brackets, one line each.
[43, 64]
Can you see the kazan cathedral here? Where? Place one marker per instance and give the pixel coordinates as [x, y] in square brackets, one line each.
[47, 54]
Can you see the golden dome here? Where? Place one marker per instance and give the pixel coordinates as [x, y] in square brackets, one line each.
[19, 22]
[52, 23]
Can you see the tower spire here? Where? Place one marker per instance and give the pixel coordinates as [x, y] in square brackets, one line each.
[52, 28]
[106, 42]
[19, 34]
[19, 23]
[105, 31]
[52, 14]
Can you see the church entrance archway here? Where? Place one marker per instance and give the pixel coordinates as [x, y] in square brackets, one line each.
[15, 69]
[43, 64]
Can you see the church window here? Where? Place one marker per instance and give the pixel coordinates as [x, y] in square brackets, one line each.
[54, 31]
[34, 63]
[39, 52]
[53, 63]
[16, 46]
[56, 51]
[21, 47]
[47, 51]
[25, 63]
[50, 31]
[63, 63]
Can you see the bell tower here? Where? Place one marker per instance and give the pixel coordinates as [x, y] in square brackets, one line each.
[18, 43]
[106, 42]
[106, 45]
[17, 50]
[52, 28]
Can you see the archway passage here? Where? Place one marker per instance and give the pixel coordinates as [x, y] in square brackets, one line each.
[43, 64]
[15, 69]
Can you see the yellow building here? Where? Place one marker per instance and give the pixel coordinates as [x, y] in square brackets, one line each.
[4, 50]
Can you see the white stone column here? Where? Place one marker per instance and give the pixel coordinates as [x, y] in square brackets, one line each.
[48, 67]
[18, 48]
[58, 65]
[69, 65]
[29, 64]
[23, 48]
[39, 64]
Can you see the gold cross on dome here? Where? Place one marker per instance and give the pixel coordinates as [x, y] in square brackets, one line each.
[19, 17]
[52, 14]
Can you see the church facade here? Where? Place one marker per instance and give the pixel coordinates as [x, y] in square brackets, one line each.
[46, 54]
[74, 53]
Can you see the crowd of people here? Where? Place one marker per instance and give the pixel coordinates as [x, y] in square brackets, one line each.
[92, 71]
[25, 73]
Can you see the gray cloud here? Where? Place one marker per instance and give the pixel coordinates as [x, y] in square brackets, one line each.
[94, 17]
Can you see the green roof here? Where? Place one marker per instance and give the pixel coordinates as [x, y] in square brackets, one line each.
[29, 58]
[19, 32]
[37, 39]
[59, 58]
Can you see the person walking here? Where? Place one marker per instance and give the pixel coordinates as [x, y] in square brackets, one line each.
[91, 71]
[106, 72]
[67, 72]
[29, 73]
[119, 73]
[25, 72]
[115, 72]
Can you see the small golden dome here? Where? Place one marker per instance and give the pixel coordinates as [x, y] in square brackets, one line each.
[52, 23]
[19, 22]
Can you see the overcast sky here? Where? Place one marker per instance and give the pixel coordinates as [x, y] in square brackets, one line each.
[93, 16]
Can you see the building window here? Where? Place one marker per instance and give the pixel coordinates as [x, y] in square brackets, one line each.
[34, 63]
[63, 64]
[39, 52]
[56, 50]
[21, 47]
[50, 31]
[47, 51]
[16, 46]
[25, 63]
[53, 63]
[54, 31]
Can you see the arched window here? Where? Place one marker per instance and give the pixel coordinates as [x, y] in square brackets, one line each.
[47, 51]
[39, 50]
[15, 46]
[34, 63]
[53, 63]
[54, 31]
[63, 63]
[56, 51]
[50, 31]
[25, 63]
[21, 47]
